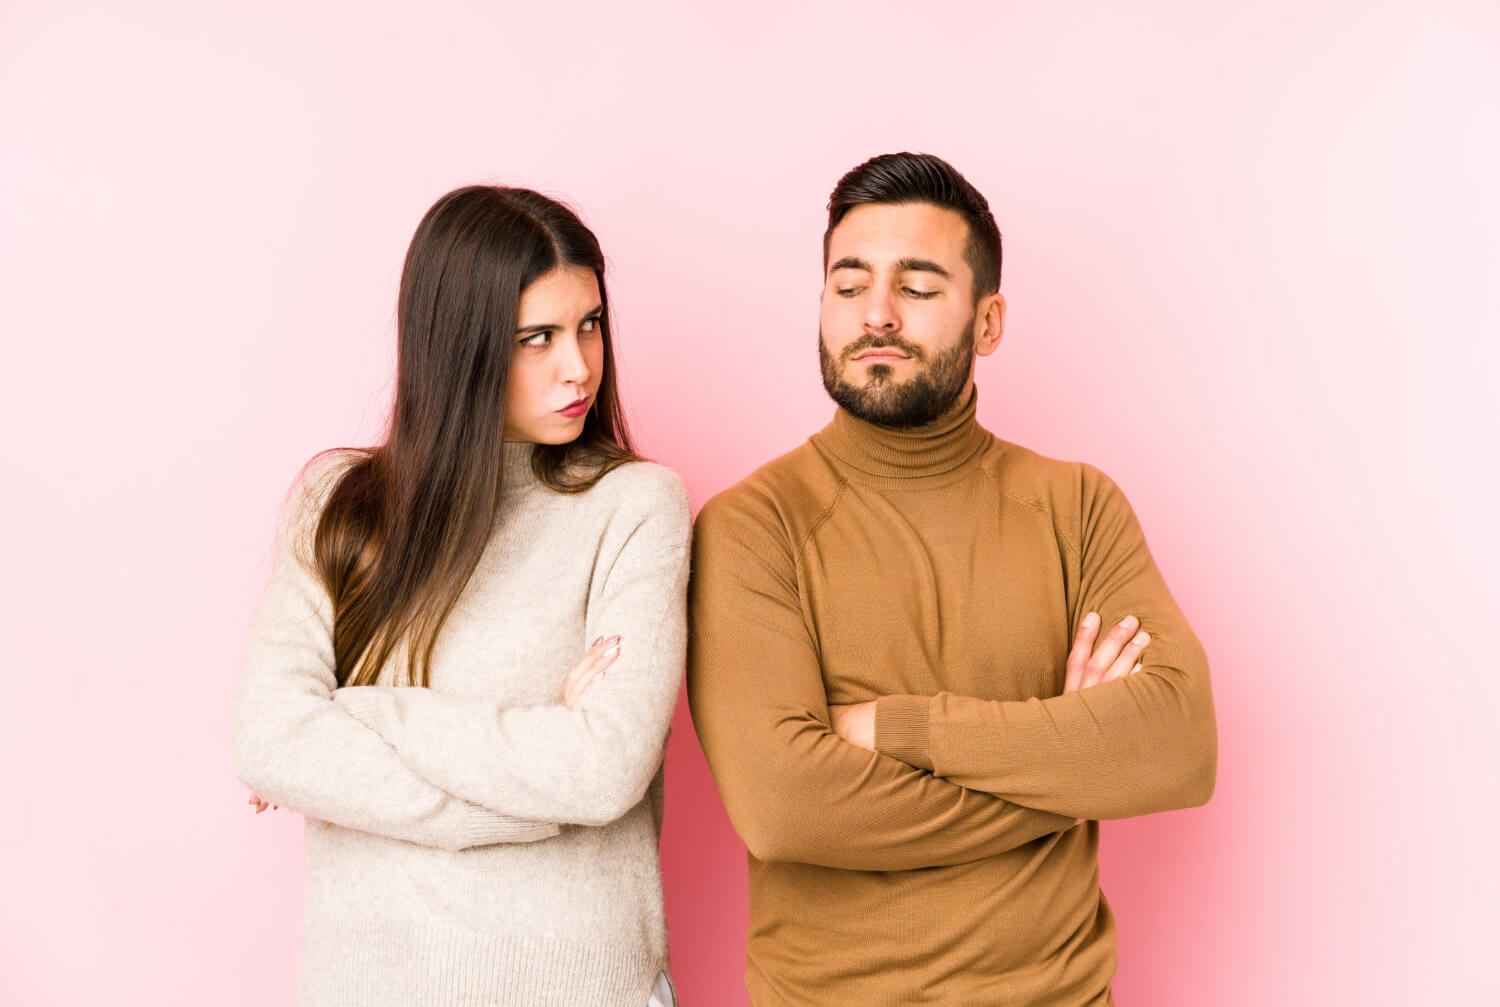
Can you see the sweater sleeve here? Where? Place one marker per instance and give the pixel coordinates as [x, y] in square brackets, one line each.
[590, 764]
[1133, 746]
[294, 746]
[794, 790]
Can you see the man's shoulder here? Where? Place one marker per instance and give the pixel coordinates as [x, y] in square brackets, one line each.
[1062, 487]
[785, 496]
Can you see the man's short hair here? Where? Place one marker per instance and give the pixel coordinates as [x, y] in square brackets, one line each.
[923, 178]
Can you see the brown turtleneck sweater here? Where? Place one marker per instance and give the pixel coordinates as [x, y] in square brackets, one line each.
[942, 571]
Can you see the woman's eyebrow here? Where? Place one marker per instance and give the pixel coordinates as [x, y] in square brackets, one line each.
[597, 309]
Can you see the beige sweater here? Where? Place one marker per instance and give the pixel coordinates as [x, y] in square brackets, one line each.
[477, 842]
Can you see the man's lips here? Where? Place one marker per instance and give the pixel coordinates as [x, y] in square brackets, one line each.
[882, 355]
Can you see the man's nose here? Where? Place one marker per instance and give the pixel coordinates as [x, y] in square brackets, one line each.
[880, 311]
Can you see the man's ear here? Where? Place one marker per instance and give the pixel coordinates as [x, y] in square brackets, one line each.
[989, 324]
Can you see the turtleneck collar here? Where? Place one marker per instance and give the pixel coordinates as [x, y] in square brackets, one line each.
[946, 444]
[516, 473]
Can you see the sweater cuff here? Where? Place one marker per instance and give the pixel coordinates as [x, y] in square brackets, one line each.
[901, 729]
[486, 827]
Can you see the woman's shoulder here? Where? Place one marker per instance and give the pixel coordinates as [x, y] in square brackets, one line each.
[644, 488]
[645, 480]
[310, 490]
[327, 467]
[321, 473]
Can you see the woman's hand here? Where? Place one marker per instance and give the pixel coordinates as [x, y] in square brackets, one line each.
[601, 654]
[261, 805]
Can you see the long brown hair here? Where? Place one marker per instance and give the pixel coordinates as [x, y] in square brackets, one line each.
[407, 522]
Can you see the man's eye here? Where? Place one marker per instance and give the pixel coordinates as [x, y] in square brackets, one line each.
[847, 291]
[920, 295]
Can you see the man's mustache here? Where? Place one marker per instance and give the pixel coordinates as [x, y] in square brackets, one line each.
[869, 341]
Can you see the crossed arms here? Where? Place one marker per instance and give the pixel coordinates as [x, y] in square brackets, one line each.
[455, 772]
[954, 778]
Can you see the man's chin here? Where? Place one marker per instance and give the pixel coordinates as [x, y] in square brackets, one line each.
[876, 403]
[878, 379]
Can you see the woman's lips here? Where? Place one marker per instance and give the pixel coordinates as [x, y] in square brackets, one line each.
[575, 409]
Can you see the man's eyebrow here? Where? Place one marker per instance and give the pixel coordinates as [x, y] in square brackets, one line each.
[598, 309]
[922, 266]
[902, 266]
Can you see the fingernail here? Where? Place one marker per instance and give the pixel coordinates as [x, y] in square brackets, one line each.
[596, 641]
[1091, 620]
[1141, 639]
[1130, 621]
[613, 639]
[611, 652]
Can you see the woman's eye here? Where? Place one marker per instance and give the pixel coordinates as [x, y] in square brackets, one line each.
[590, 324]
[537, 339]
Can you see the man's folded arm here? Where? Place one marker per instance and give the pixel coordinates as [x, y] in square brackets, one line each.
[1143, 743]
[794, 789]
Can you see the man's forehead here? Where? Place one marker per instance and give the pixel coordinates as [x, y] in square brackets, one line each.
[891, 231]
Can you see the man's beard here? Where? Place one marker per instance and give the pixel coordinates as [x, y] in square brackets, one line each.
[917, 401]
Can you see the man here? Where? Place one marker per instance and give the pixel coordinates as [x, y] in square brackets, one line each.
[896, 667]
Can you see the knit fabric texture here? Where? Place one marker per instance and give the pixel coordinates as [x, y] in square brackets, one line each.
[942, 573]
[476, 841]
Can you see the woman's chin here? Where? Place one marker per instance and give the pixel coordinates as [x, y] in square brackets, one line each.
[560, 431]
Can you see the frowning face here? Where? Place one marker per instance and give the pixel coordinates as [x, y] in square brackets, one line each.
[898, 322]
[558, 358]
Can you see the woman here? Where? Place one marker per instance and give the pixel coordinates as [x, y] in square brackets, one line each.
[464, 666]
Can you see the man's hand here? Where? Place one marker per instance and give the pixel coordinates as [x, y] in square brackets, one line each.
[855, 723]
[1116, 656]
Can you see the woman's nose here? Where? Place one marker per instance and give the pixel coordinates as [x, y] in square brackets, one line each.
[571, 367]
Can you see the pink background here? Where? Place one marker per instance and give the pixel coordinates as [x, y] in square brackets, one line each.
[1251, 260]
